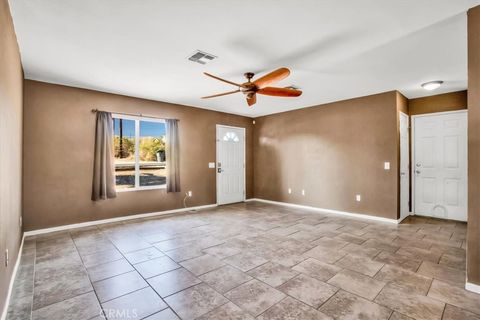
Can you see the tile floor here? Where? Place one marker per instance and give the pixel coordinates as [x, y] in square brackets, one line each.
[247, 261]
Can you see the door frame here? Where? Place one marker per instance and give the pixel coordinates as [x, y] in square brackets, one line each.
[217, 139]
[409, 165]
[412, 166]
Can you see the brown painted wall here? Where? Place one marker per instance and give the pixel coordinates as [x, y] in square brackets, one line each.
[11, 82]
[439, 103]
[473, 236]
[58, 155]
[334, 152]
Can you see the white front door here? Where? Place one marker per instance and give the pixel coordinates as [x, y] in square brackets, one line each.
[230, 164]
[404, 167]
[440, 165]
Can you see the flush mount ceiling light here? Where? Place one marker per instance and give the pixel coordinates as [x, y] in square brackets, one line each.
[432, 85]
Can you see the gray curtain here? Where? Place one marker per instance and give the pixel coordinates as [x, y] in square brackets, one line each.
[172, 156]
[103, 186]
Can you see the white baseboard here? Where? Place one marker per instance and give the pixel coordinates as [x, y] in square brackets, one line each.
[343, 213]
[103, 221]
[12, 280]
[472, 287]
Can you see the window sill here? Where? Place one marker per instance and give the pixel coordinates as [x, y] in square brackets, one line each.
[163, 186]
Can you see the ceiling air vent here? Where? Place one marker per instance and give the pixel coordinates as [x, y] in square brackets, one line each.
[201, 57]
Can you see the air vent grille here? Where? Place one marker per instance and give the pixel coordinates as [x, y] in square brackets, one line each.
[201, 57]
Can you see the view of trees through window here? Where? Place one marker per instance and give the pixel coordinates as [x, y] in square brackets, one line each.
[149, 170]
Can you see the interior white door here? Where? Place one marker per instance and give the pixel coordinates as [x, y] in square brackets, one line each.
[230, 164]
[440, 165]
[404, 167]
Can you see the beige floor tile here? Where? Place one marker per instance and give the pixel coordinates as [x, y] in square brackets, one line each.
[273, 243]
[228, 311]
[351, 238]
[184, 253]
[173, 281]
[444, 273]
[140, 304]
[308, 290]
[317, 269]
[398, 261]
[347, 306]
[101, 257]
[330, 243]
[420, 254]
[156, 266]
[454, 313]
[357, 283]
[360, 264]
[202, 264]
[225, 278]
[114, 287]
[245, 261]
[81, 307]
[405, 279]
[109, 269]
[273, 274]
[455, 296]
[290, 308]
[453, 261]
[143, 255]
[326, 255]
[255, 297]
[356, 249]
[195, 301]
[398, 316]
[380, 245]
[166, 314]
[410, 304]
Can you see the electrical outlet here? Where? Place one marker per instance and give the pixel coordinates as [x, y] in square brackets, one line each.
[303, 192]
[211, 165]
[358, 197]
[7, 258]
[289, 190]
[189, 193]
[386, 165]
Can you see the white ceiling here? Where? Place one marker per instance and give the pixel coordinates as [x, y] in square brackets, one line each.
[335, 49]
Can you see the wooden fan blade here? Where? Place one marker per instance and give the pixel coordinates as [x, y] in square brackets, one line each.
[252, 100]
[221, 94]
[223, 80]
[272, 77]
[280, 92]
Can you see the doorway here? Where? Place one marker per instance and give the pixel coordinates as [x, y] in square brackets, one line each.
[230, 164]
[404, 166]
[439, 166]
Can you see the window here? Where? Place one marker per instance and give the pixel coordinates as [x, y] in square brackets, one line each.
[231, 136]
[139, 153]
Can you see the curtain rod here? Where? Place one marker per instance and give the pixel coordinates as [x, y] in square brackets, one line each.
[133, 114]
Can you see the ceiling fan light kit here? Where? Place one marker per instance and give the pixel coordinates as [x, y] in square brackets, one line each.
[260, 86]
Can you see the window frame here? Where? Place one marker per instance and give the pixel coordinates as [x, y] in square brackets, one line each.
[137, 120]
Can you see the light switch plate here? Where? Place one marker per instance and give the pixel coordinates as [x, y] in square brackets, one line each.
[387, 165]
[358, 197]
[211, 165]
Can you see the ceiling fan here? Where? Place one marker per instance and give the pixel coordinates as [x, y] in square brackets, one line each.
[260, 86]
